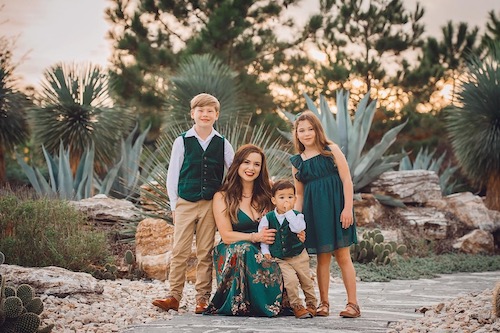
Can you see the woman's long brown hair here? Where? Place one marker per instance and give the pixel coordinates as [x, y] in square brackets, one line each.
[232, 187]
[321, 141]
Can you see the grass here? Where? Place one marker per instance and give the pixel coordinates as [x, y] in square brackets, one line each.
[426, 267]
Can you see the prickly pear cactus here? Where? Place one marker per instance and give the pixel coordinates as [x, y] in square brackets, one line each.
[372, 248]
[27, 323]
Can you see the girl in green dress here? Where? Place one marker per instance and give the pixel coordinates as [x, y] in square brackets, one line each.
[325, 197]
[247, 283]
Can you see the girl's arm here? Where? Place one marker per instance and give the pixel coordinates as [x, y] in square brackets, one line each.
[345, 176]
[299, 191]
[225, 226]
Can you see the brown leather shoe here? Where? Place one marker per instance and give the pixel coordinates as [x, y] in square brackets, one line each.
[311, 308]
[351, 311]
[201, 305]
[323, 309]
[300, 312]
[169, 303]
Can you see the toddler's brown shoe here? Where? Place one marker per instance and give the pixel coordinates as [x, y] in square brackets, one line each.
[169, 303]
[300, 312]
[201, 305]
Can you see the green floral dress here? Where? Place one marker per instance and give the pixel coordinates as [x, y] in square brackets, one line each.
[248, 284]
[323, 203]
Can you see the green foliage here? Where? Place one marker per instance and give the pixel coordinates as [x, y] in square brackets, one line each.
[474, 126]
[372, 248]
[52, 227]
[62, 184]
[207, 74]
[351, 137]
[428, 267]
[108, 272]
[77, 110]
[425, 161]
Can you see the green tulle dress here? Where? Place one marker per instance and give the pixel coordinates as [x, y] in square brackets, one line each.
[323, 204]
[247, 283]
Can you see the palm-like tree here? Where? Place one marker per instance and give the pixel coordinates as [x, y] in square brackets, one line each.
[13, 125]
[474, 127]
[76, 109]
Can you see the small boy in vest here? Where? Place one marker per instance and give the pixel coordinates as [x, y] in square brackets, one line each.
[195, 173]
[288, 250]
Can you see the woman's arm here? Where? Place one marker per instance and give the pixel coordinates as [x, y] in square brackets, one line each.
[345, 176]
[225, 226]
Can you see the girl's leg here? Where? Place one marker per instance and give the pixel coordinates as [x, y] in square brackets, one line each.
[343, 257]
[323, 273]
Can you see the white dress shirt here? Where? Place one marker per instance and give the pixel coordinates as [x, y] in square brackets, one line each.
[296, 223]
[177, 158]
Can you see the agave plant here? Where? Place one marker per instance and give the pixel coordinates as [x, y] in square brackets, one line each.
[425, 161]
[351, 137]
[122, 180]
[61, 183]
[236, 132]
[206, 74]
[474, 126]
[77, 110]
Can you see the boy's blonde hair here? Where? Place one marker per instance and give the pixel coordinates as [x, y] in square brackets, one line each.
[205, 100]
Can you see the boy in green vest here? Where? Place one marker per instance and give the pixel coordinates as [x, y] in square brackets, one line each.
[288, 250]
[195, 173]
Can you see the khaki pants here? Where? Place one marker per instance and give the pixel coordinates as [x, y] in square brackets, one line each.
[190, 218]
[295, 270]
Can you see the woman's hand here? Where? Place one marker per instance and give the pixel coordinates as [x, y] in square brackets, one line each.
[346, 218]
[302, 236]
[266, 236]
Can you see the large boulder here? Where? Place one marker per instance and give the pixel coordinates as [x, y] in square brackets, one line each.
[100, 208]
[367, 210]
[470, 209]
[477, 241]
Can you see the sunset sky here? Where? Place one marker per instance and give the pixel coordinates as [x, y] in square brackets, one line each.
[50, 31]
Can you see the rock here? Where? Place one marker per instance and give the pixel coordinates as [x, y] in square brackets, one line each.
[100, 208]
[368, 210]
[409, 186]
[52, 280]
[431, 222]
[470, 209]
[477, 241]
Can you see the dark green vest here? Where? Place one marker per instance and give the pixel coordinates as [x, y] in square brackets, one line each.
[202, 170]
[286, 243]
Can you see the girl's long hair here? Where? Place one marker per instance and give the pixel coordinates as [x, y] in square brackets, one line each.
[321, 141]
[232, 187]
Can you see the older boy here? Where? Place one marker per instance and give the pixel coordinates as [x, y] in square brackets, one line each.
[288, 250]
[194, 175]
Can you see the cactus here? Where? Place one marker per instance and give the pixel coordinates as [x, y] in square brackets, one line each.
[26, 293]
[9, 291]
[27, 323]
[35, 306]
[496, 300]
[13, 307]
[372, 248]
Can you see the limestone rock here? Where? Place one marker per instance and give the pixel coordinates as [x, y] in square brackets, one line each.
[103, 209]
[477, 241]
[429, 220]
[409, 186]
[470, 209]
[52, 280]
[368, 210]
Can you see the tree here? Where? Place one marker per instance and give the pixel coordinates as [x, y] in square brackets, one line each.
[152, 40]
[492, 33]
[474, 127]
[14, 128]
[75, 108]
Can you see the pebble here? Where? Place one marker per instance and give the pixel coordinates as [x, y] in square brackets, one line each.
[124, 303]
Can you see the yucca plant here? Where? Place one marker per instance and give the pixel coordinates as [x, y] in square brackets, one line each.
[351, 137]
[474, 126]
[61, 183]
[77, 110]
[425, 161]
[206, 74]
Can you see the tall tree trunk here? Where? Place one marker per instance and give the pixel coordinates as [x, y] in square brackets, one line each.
[493, 192]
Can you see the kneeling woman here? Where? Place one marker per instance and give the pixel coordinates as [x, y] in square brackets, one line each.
[248, 284]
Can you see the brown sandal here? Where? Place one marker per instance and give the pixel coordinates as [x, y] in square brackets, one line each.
[348, 313]
[323, 309]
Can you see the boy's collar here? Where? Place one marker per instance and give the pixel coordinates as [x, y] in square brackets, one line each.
[192, 132]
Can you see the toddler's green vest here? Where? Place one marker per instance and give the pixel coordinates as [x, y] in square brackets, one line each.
[202, 170]
[286, 243]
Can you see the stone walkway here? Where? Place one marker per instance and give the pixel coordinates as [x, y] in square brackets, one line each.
[381, 303]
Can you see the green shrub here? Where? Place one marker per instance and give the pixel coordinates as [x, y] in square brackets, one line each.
[47, 232]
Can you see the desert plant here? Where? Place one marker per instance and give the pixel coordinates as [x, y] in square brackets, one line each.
[351, 137]
[474, 127]
[425, 161]
[62, 184]
[372, 248]
[52, 227]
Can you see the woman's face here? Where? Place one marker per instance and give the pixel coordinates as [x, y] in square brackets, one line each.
[250, 168]
[305, 133]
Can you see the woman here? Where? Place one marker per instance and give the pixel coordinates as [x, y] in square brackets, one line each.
[248, 284]
[325, 197]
